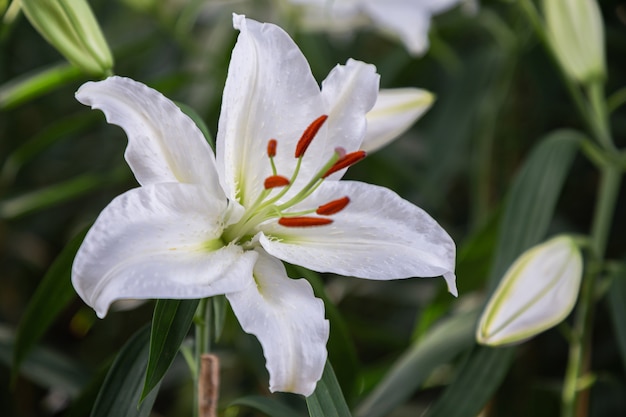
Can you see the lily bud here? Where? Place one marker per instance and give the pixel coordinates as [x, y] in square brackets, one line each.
[394, 113]
[537, 292]
[70, 26]
[576, 35]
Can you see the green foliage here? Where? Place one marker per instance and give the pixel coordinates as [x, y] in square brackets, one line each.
[327, 399]
[267, 405]
[54, 293]
[440, 345]
[120, 394]
[496, 162]
[170, 325]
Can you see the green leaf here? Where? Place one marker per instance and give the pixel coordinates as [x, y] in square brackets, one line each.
[45, 367]
[58, 131]
[36, 83]
[533, 197]
[327, 399]
[527, 215]
[121, 391]
[478, 378]
[58, 193]
[438, 346]
[220, 305]
[170, 325]
[53, 294]
[266, 405]
[189, 111]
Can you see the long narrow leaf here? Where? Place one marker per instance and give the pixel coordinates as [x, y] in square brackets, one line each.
[170, 324]
[533, 197]
[266, 405]
[480, 376]
[327, 399]
[438, 346]
[121, 391]
[529, 209]
[53, 294]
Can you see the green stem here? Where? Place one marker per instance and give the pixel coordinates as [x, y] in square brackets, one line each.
[600, 121]
[574, 397]
[202, 345]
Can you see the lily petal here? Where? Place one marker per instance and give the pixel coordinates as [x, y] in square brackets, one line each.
[164, 144]
[393, 114]
[407, 20]
[349, 92]
[270, 93]
[378, 235]
[289, 322]
[159, 241]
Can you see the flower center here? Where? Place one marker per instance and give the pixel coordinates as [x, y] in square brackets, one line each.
[270, 205]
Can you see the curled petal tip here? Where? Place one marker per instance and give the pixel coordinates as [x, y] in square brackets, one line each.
[451, 283]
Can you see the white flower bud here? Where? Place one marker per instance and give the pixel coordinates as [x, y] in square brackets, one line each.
[537, 292]
[70, 26]
[576, 35]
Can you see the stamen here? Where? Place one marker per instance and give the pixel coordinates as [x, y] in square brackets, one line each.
[303, 221]
[346, 161]
[333, 207]
[271, 148]
[274, 181]
[309, 135]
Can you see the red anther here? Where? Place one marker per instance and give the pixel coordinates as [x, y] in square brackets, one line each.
[271, 148]
[333, 207]
[274, 181]
[303, 221]
[348, 160]
[309, 135]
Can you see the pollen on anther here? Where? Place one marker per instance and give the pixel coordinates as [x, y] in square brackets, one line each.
[271, 148]
[304, 221]
[346, 161]
[333, 207]
[309, 134]
[274, 181]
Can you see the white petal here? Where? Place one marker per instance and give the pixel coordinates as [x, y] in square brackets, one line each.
[408, 20]
[289, 322]
[537, 292]
[269, 93]
[394, 112]
[349, 92]
[159, 241]
[164, 144]
[378, 236]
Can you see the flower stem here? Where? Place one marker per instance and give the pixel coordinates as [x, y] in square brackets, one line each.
[574, 396]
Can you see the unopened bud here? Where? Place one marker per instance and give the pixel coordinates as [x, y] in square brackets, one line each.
[70, 26]
[537, 292]
[576, 35]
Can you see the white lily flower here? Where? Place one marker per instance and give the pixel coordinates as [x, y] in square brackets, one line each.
[536, 293]
[201, 225]
[407, 20]
[396, 109]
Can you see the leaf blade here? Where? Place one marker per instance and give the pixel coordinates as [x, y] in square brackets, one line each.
[327, 400]
[170, 324]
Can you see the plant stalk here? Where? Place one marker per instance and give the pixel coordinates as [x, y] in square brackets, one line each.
[575, 394]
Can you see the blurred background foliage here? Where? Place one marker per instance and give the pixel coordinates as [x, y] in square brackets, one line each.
[498, 93]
